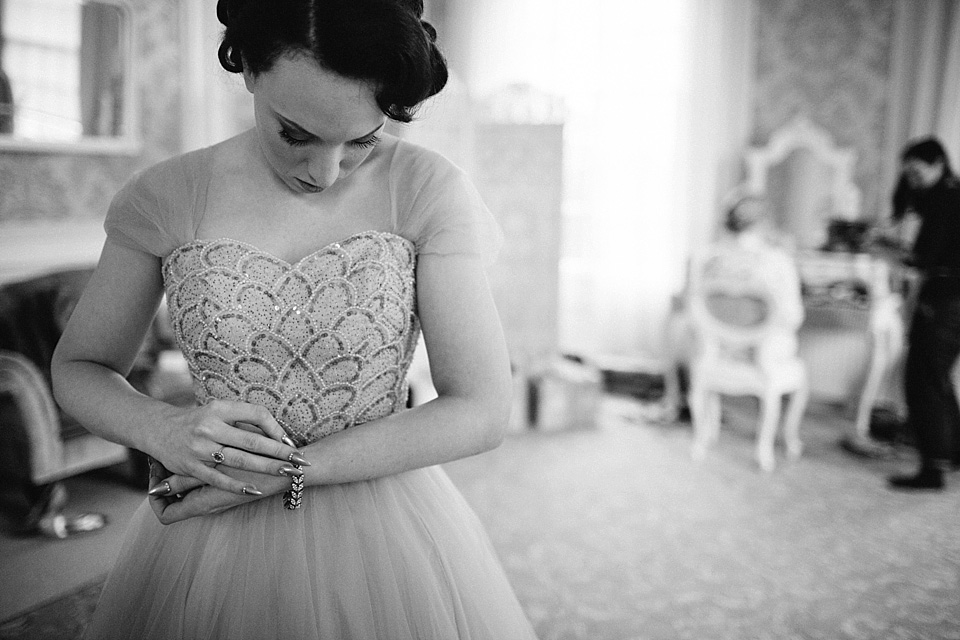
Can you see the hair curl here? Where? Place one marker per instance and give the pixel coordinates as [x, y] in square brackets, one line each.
[385, 42]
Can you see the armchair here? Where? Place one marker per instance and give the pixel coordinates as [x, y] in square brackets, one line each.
[41, 446]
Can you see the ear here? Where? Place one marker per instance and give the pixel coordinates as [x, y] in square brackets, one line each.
[249, 79]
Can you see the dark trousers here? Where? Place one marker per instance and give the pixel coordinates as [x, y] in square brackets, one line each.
[933, 348]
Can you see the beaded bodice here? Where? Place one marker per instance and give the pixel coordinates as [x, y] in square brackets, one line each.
[324, 343]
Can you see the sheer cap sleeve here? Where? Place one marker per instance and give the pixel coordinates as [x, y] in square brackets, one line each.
[159, 208]
[440, 210]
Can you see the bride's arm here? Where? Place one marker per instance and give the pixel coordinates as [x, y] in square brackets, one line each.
[471, 372]
[95, 354]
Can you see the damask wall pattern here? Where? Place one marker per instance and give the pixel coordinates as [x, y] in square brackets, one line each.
[828, 60]
[55, 186]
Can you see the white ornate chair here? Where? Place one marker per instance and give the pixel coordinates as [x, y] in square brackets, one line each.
[853, 333]
[746, 346]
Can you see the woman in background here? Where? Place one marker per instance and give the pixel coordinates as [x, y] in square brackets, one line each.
[747, 241]
[929, 190]
[300, 260]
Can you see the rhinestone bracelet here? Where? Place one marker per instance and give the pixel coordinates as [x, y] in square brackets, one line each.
[293, 497]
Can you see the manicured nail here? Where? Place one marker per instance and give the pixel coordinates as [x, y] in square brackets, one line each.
[285, 439]
[251, 491]
[159, 490]
[299, 459]
[290, 471]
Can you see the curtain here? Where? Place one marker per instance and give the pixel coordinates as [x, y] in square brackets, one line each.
[924, 94]
[657, 105]
[658, 114]
[215, 105]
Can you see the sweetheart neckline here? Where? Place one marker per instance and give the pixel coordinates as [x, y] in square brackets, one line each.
[286, 263]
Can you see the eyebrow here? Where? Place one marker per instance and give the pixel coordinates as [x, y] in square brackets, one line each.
[293, 125]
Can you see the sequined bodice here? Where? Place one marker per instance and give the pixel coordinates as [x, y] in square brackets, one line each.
[324, 343]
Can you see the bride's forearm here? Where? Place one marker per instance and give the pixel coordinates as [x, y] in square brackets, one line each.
[107, 405]
[442, 430]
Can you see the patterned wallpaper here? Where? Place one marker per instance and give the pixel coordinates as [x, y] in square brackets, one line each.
[828, 60]
[50, 186]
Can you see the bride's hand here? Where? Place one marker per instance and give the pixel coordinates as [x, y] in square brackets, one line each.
[174, 497]
[203, 442]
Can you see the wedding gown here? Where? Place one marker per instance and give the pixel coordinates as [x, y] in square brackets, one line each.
[325, 344]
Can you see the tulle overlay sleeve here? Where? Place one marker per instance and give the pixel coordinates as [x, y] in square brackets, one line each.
[159, 208]
[440, 210]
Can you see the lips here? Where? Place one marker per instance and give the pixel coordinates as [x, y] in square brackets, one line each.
[308, 187]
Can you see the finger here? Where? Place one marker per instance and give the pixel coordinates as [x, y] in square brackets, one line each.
[157, 494]
[180, 484]
[205, 501]
[239, 459]
[255, 443]
[253, 414]
[208, 475]
[158, 505]
[246, 426]
[160, 487]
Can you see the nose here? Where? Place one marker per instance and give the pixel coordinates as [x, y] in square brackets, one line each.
[324, 166]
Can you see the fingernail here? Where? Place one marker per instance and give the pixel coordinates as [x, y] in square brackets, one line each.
[299, 459]
[285, 439]
[251, 490]
[158, 490]
[288, 471]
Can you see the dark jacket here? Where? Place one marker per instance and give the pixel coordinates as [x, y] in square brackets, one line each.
[936, 250]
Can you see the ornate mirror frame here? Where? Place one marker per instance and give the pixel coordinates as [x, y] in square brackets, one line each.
[802, 135]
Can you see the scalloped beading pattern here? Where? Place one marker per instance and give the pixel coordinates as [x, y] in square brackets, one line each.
[324, 343]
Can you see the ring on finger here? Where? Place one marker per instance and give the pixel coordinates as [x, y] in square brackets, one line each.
[218, 456]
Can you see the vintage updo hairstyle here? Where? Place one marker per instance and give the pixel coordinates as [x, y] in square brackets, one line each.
[385, 42]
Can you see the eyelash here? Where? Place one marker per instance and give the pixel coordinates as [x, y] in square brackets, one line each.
[367, 144]
[296, 142]
[289, 139]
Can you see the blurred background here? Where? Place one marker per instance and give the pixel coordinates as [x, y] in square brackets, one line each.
[607, 138]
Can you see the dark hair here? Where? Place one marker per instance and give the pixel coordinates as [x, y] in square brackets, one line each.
[385, 42]
[735, 220]
[929, 150]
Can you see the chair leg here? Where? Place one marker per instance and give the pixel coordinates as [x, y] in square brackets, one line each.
[769, 420]
[714, 414]
[700, 420]
[791, 428]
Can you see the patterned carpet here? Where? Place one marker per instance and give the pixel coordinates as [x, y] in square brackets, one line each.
[616, 534]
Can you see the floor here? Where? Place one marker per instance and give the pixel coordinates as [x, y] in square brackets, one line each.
[614, 533]
[34, 570]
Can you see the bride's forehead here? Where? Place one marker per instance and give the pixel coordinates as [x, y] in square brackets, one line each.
[300, 88]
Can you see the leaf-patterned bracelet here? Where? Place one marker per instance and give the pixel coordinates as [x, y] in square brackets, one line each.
[293, 497]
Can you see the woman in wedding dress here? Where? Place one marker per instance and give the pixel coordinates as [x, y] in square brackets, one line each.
[300, 260]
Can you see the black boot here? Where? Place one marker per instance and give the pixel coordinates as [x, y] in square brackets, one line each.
[929, 477]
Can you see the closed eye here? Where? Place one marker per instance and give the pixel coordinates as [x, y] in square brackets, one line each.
[291, 140]
[366, 143]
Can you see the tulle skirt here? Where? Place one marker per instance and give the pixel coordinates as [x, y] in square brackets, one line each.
[400, 557]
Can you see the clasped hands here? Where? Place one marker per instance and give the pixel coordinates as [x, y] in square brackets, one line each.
[211, 458]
